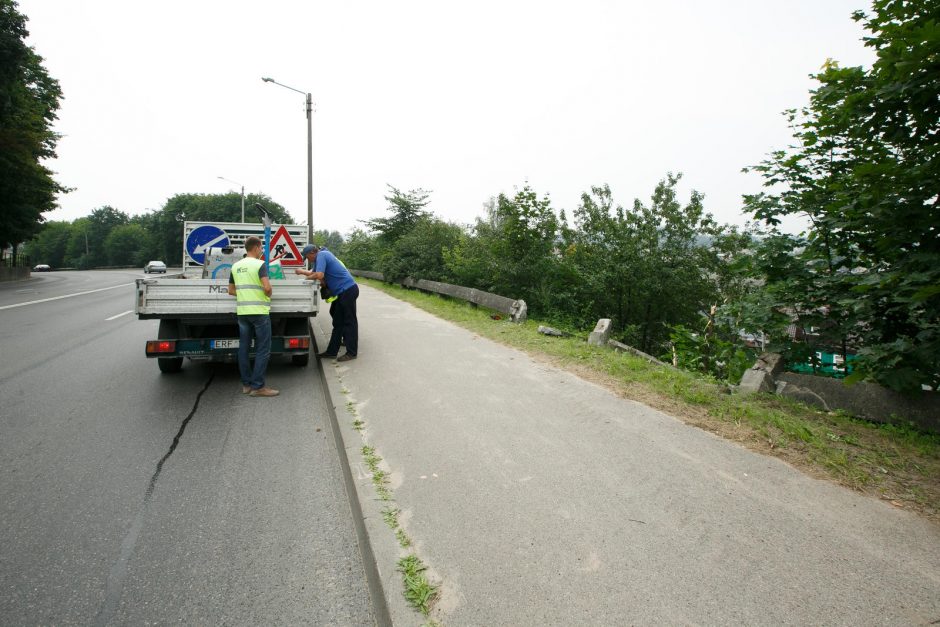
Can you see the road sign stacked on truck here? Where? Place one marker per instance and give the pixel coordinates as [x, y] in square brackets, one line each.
[200, 237]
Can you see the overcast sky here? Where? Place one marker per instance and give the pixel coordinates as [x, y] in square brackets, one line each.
[466, 100]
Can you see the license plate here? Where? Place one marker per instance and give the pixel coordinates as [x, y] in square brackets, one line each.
[224, 343]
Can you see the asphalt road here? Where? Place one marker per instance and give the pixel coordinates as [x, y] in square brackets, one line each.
[131, 497]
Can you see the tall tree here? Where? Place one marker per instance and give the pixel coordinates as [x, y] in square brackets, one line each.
[645, 268]
[49, 245]
[101, 222]
[29, 99]
[419, 254]
[127, 244]
[407, 210]
[865, 172]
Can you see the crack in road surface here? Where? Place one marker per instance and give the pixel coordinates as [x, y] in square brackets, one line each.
[118, 571]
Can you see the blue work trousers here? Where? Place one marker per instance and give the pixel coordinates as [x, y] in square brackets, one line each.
[345, 323]
[258, 327]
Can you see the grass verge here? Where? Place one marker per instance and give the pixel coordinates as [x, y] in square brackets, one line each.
[895, 463]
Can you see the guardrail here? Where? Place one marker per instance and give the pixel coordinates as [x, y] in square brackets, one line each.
[515, 309]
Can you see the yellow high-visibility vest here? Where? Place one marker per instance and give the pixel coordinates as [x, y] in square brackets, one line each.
[249, 291]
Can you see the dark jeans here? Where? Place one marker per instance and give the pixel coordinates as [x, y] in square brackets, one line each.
[345, 325]
[258, 327]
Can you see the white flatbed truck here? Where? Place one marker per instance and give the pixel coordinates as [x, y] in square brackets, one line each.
[197, 315]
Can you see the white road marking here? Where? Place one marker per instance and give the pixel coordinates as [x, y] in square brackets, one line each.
[123, 313]
[46, 300]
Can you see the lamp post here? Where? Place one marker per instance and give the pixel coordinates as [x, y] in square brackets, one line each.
[243, 193]
[309, 103]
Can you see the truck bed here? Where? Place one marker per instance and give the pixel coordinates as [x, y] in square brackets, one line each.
[177, 296]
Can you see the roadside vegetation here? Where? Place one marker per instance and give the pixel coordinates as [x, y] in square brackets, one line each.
[895, 463]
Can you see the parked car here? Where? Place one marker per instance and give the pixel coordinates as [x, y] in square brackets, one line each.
[42, 268]
[155, 266]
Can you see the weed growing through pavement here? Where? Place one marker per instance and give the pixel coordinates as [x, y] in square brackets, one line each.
[403, 540]
[379, 476]
[390, 516]
[418, 590]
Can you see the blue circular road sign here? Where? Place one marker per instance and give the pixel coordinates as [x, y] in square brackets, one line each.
[203, 238]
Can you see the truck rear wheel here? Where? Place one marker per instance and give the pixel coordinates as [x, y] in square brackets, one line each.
[169, 330]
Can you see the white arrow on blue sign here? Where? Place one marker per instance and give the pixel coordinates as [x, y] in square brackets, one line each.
[201, 239]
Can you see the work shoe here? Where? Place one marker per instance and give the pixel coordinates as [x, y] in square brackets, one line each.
[246, 389]
[346, 357]
[265, 391]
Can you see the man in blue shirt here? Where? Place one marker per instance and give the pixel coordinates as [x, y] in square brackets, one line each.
[330, 270]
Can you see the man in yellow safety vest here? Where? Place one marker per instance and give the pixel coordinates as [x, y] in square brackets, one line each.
[250, 285]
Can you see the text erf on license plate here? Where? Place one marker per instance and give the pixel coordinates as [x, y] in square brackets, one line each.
[224, 343]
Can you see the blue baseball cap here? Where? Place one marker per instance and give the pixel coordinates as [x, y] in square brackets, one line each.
[309, 248]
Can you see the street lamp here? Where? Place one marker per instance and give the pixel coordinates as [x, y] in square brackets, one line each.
[243, 193]
[309, 103]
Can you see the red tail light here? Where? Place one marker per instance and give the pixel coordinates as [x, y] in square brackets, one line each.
[161, 346]
[298, 342]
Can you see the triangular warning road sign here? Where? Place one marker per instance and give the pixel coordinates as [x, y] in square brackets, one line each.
[284, 249]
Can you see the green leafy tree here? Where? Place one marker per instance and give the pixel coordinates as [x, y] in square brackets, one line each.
[100, 224]
[407, 211]
[332, 240]
[647, 269]
[127, 244]
[29, 100]
[50, 244]
[78, 249]
[419, 254]
[513, 252]
[864, 171]
[361, 251]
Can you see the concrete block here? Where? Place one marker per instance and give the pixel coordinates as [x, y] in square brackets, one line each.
[756, 379]
[550, 331]
[772, 363]
[804, 395]
[761, 377]
[870, 401]
[518, 312]
[623, 348]
[601, 333]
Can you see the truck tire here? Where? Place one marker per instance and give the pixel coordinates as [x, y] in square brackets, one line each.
[300, 360]
[169, 330]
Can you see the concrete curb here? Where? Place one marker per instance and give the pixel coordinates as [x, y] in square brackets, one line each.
[354, 489]
[384, 549]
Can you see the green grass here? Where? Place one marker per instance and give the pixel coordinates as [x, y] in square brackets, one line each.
[884, 460]
[418, 590]
[390, 516]
[379, 476]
